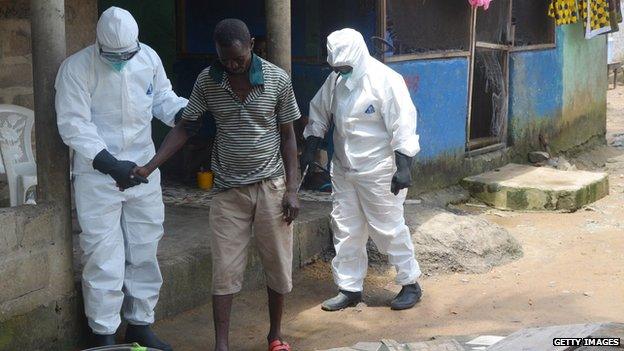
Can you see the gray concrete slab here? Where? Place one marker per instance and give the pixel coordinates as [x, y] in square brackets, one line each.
[523, 187]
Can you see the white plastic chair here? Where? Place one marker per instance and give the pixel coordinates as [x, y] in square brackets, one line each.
[2, 171]
[16, 124]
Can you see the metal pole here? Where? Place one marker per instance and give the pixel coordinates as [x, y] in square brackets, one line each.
[48, 51]
[279, 33]
[473, 41]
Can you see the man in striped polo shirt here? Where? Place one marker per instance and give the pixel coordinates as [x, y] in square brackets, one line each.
[255, 164]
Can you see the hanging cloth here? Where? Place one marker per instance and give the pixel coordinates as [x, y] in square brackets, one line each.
[595, 16]
[480, 3]
[563, 11]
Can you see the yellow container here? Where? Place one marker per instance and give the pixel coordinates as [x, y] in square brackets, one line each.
[205, 180]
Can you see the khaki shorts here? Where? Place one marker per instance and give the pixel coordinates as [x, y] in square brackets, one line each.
[233, 214]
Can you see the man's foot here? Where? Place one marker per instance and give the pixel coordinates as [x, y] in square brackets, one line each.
[343, 300]
[407, 298]
[103, 340]
[144, 336]
[278, 345]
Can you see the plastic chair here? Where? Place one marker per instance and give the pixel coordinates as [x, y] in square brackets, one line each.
[16, 124]
[2, 171]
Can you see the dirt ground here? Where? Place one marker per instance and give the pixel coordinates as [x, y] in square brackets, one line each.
[572, 272]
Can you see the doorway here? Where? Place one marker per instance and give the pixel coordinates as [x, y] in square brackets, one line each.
[489, 77]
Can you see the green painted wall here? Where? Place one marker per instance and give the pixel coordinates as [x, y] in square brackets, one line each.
[584, 88]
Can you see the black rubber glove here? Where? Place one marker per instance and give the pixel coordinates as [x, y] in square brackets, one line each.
[121, 171]
[403, 177]
[309, 150]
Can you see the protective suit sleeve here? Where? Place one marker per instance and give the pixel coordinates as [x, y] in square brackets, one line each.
[320, 110]
[400, 118]
[166, 102]
[73, 111]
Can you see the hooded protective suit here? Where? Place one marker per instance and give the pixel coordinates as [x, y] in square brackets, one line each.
[101, 108]
[373, 116]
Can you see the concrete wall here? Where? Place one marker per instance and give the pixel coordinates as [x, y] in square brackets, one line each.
[38, 305]
[39, 308]
[15, 55]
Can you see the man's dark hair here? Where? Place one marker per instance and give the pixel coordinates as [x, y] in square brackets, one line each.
[230, 30]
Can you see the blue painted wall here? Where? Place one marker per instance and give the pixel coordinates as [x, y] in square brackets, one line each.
[535, 89]
[439, 89]
[535, 84]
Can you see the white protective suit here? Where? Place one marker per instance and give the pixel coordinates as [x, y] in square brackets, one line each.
[373, 116]
[100, 108]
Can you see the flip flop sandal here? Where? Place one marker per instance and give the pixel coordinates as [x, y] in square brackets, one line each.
[279, 345]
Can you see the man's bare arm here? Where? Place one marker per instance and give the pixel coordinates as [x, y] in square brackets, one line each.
[288, 149]
[175, 139]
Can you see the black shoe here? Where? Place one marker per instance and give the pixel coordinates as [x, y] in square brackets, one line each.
[144, 336]
[341, 301]
[103, 340]
[407, 298]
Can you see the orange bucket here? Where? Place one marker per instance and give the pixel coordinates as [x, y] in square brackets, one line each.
[205, 180]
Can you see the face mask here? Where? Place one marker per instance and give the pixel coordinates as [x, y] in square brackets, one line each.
[346, 75]
[118, 66]
[118, 60]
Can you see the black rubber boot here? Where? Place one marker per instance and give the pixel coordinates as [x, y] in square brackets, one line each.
[144, 336]
[341, 301]
[103, 340]
[408, 297]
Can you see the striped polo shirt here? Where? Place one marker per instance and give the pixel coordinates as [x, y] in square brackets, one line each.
[247, 143]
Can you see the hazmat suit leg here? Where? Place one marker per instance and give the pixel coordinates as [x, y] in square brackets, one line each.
[120, 233]
[385, 217]
[142, 223]
[99, 206]
[350, 234]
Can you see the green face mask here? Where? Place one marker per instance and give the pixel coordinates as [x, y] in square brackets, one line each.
[118, 66]
[346, 75]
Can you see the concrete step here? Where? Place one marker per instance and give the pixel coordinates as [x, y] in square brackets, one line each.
[523, 187]
[185, 259]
